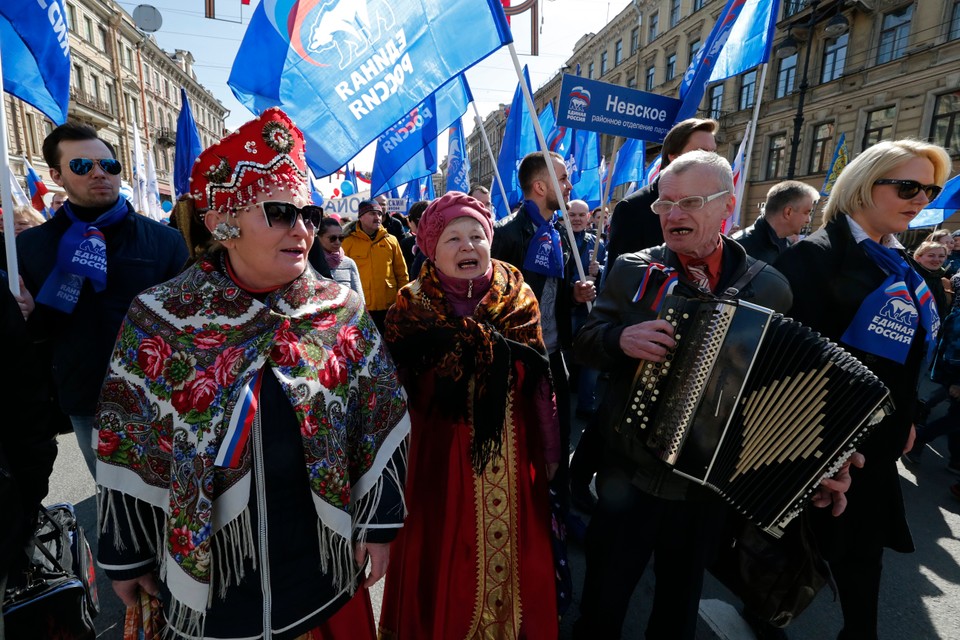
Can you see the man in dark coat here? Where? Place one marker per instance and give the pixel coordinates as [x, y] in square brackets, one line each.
[85, 265]
[633, 227]
[532, 240]
[644, 508]
[787, 211]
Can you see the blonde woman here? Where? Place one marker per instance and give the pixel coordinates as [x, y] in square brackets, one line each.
[853, 282]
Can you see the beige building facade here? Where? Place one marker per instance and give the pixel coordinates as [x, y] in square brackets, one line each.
[890, 69]
[119, 76]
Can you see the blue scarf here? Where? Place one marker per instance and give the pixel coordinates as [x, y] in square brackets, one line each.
[888, 318]
[82, 254]
[544, 254]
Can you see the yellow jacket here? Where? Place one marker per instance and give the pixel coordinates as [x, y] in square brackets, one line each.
[380, 262]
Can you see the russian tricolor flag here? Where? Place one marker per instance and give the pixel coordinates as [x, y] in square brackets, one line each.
[37, 190]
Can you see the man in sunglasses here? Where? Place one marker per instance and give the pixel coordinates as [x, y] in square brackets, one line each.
[85, 265]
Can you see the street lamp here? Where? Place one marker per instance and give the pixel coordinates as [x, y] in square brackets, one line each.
[837, 26]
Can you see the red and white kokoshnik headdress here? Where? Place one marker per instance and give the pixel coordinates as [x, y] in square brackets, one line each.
[264, 154]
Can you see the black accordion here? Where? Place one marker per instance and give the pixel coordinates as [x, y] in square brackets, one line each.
[752, 404]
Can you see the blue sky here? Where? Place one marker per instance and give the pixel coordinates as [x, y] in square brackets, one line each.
[214, 44]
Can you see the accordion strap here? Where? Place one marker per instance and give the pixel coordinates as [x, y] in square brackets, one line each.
[743, 280]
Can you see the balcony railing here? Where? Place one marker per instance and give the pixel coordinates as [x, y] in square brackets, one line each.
[90, 102]
[167, 136]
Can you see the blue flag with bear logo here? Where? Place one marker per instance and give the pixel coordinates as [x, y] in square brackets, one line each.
[345, 69]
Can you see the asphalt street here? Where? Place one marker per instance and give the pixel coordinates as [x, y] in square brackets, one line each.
[920, 598]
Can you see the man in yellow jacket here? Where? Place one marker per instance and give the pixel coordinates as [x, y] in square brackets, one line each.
[379, 260]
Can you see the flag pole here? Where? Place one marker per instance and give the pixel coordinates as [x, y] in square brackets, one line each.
[752, 132]
[606, 198]
[550, 168]
[6, 177]
[493, 160]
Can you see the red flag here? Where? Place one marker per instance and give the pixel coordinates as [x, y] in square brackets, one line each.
[246, 2]
[506, 5]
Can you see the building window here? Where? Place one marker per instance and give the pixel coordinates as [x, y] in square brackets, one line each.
[651, 74]
[834, 58]
[698, 4]
[618, 53]
[786, 76]
[776, 156]
[793, 7]
[95, 88]
[879, 125]
[674, 12]
[129, 57]
[72, 17]
[671, 70]
[654, 26]
[590, 71]
[632, 82]
[88, 29]
[748, 89]
[955, 22]
[894, 34]
[78, 75]
[945, 129]
[694, 49]
[715, 97]
[603, 63]
[634, 40]
[819, 159]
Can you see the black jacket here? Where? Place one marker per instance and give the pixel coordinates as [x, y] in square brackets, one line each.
[140, 254]
[830, 276]
[511, 237]
[598, 343]
[761, 242]
[633, 225]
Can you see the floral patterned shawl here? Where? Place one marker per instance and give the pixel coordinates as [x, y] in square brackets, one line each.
[179, 391]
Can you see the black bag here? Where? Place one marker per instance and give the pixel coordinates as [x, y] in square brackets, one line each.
[56, 597]
[775, 578]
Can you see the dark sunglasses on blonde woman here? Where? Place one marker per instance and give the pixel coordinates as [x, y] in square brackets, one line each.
[908, 189]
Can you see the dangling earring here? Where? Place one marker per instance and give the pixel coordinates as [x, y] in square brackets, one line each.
[224, 231]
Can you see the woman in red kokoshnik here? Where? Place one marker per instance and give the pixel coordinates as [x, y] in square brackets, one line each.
[252, 426]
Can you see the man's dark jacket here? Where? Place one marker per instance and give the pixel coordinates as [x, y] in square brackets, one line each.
[511, 237]
[598, 343]
[140, 254]
[634, 226]
[761, 242]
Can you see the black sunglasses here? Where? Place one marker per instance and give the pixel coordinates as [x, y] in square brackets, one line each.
[908, 189]
[82, 166]
[285, 214]
[335, 238]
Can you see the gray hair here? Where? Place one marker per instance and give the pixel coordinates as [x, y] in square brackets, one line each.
[717, 164]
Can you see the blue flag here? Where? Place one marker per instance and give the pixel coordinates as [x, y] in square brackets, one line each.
[419, 189]
[519, 139]
[342, 69]
[943, 206]
[840, 159]
[352, 177]
[188, 146]
[423, 163]
[740, 40]
[316, 196]
[458, 162]
[415, 131]
[548, 120]
[36, 55]
[583, 167]
[630, 162]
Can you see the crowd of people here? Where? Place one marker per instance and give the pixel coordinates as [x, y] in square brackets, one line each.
[280, 408]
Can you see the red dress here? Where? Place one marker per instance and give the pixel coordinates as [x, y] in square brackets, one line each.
[474, 557]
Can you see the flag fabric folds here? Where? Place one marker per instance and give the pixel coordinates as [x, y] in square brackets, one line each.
[343, 68]
[458, 162]
[140, 201]
[423, 163]
[733, 221]
[188, 146]
[740, 40]
[583, 167]
[19, 196]
[417, 130]
[943, 206]
[840, 159]
[651, 172]
[37, 189]
[36, 55]
[154, 209]
[419, 189]
[519, 139]
[628, 166]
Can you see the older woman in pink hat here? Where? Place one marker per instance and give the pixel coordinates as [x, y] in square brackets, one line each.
[474, 558]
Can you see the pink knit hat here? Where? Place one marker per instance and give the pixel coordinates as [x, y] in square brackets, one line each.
[443, 211]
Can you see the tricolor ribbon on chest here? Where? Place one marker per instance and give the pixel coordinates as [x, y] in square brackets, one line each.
[241, 425]
[665, 288]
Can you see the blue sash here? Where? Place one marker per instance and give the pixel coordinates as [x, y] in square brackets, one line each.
[887, 321]
[544, 254]
[82, 254]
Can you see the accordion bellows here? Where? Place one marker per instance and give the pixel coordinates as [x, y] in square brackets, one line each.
[754, 405]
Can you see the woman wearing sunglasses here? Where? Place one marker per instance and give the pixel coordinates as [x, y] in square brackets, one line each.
[251, 418]
[853, 282]
[342, 268]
